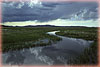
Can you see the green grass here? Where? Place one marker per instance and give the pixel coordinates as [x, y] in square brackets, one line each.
[20, 37]
[83, 33]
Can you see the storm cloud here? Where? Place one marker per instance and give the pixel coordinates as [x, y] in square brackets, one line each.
[48, 11]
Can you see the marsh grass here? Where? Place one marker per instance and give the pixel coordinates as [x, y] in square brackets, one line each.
[20, 37]
[83, 33]
[89, 56]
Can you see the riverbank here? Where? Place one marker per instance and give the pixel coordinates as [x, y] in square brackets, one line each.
[89, 56]
[15, 38]
[83, 33]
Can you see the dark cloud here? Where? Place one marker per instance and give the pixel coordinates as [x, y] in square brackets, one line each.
[47, 11]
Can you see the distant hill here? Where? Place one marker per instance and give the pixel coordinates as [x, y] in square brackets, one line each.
[32, 26]
[6, 26]
[42, 26]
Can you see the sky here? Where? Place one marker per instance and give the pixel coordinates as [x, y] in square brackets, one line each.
[50, 13]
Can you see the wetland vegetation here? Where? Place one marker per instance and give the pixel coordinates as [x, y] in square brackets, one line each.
[89, 56]
[21, 37]
[15, 38]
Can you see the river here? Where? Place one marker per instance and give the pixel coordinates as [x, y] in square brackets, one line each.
[55, 54]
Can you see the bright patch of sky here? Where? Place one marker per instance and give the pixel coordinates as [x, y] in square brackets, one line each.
[58, 22]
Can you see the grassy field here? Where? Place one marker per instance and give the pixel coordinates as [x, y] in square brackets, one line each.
[24, 37]
[18, 38]
[83, 33]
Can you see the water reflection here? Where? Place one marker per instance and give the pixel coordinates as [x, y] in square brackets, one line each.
[12, 56]
[55, 54]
